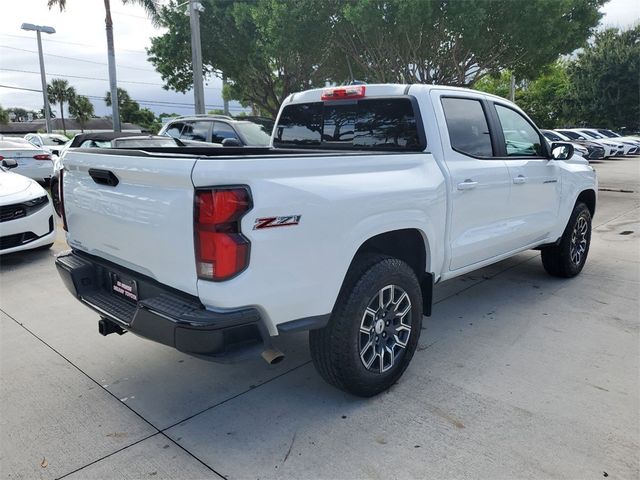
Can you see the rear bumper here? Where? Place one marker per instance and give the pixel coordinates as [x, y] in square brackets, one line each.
[163, 314]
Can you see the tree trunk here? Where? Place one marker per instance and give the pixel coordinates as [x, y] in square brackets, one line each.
[64, 129]
[111, 53]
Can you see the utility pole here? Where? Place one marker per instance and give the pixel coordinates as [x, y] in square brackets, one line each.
[512, 88]
[43, 77]
[195, 8]
[224, 100]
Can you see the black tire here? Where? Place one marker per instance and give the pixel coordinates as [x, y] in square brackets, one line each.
[44, 247]
[567, 258]
[336, 349]
[55, 197]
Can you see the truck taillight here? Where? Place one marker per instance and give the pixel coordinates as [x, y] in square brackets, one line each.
[221, 250]
[343, 93]
[42, 157]
[61, 199]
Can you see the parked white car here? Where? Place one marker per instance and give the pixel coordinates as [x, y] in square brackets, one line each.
[33, 162]
[611, 149]
[623, 149]
[50, 141]
[630, 145]
[26, 212]
[367, 197]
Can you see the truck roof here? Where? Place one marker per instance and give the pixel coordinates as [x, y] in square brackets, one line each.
[383, 89]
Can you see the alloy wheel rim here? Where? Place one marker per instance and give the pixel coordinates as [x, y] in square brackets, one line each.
[385, 329]
[578, 245]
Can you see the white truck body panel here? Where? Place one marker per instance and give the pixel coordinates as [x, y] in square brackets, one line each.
[146, 223]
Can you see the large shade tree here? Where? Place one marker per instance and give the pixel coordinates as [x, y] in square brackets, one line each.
[59, 91]
[459, 42]
[270, 48]
[266, 48]
[604, 80]
[151, 8]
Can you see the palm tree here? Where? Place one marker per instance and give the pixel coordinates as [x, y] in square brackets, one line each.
[59, 91]
[81, 109]
[151, 8]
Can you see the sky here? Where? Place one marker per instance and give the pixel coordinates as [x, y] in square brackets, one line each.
[78, 49]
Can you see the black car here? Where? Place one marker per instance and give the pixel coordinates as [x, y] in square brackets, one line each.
[220, 129]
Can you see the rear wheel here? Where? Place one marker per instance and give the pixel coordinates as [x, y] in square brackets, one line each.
[374, 329]
[567, 258]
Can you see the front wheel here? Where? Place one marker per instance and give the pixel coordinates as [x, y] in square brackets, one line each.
[374, 328]
[567, 258]
[55, 196]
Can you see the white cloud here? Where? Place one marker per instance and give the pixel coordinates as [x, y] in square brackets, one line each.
[80, 34]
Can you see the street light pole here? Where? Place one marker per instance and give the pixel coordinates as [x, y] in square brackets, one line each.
[43, 78]
[195, 8]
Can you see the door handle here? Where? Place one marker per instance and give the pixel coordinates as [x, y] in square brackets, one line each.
[468, 184]
[520, 179]
[103, 177]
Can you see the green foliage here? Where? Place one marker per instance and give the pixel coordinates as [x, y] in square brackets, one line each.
[131, 112]
[495, 84]
[266, 48]
[458, 42]
[4, 116]
[270, 48]
[547, 99]
[59, 91]
[81, 109]
[605, 80]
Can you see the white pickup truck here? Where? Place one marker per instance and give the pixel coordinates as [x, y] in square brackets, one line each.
[367, 197]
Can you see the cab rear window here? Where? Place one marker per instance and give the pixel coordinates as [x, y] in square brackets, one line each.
[367, 124]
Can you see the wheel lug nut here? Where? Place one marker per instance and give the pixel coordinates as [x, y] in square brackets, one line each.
[387, 323]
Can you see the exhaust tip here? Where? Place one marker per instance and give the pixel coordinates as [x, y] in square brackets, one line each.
[272, 356]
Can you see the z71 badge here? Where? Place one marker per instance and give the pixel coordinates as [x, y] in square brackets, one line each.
[272, 222]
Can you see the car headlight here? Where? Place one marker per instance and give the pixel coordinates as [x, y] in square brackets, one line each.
[37, 201]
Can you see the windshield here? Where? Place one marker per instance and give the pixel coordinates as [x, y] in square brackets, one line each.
[590, 134]
[254, 135]
[554, 137]
[572, 135]
[609, 133]
[54, 140]
[95, 144]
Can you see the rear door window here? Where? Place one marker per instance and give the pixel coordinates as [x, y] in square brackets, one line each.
[368, 124]
[221, 131]
[196, 131]
[467, 126]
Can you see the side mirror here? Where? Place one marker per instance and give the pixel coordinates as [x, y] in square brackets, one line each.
[9, 163]
[231, 142]
[561, 151]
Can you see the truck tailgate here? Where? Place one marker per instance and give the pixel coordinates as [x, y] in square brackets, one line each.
[144, 222]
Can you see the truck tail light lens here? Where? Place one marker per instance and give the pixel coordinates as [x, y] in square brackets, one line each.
[42, 157]
[61, 199]
[343, 93]
[221, 250]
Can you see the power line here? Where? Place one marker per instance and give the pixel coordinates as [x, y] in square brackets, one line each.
[159, 103]
[92, 78]
[75, 58]
[47, 40]
[79, 76]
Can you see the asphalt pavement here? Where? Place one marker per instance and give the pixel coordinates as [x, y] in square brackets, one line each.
[517, 375]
